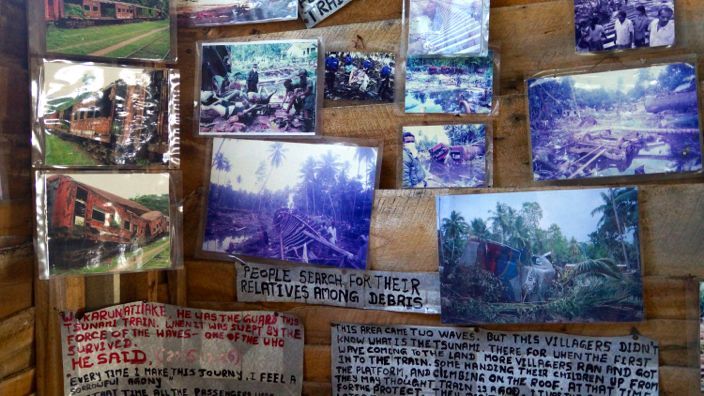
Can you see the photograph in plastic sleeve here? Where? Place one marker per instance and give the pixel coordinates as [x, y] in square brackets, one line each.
[107, 222]
[448, 27]
[638, 121]
[259, 88]
[540, 257]
[444, 156]
[234, 12]
[364, 77]
[94, 115]
[137, 29]
[622, 25]
[449, 85]
[300, 202]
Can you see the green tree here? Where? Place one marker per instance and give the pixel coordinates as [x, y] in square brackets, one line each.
[154, 202]
[454, 231]
[479, 229]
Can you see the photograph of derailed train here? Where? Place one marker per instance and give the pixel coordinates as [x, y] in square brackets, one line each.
[119, 29]
[93, 230]
[299, 202]
[232, 12]
[259, 87]
[104, 115]
[637, 121]
[540, 257]
[445, 156]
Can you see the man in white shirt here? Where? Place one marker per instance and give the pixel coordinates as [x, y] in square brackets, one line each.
[624, 31]
[662, 30]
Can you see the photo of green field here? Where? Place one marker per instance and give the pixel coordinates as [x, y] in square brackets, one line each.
[139, 29]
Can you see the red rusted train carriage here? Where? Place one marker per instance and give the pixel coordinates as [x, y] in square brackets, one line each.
[97, 12]
[86, 220]
[126, 120]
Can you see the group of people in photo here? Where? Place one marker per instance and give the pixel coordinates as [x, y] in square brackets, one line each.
[359, 76]
[623, 24]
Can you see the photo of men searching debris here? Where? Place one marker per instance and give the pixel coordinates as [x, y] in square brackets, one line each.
[259, 88]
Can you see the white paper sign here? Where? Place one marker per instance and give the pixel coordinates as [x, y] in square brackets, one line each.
[314, 11]
[420, 360]
[156, 349]
[417, 292]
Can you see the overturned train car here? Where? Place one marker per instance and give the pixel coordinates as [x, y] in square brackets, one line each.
[120, 124]
[85, 222]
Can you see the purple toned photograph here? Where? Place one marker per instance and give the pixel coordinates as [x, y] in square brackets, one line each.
[607, 25]
[449, 85]
[448, 27]
[234, 12]
[638, 121]
[300, 202]
[444, 156]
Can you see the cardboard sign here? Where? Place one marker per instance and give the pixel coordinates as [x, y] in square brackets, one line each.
[314, 11]
[421, 360]
[156, 349]
[417, 292]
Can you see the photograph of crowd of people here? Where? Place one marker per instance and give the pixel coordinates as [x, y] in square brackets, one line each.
[360, 76]
[264, 87]
[444, 156]
[604, 25]
[540, 257]
[300, 202]
[637, 121]
[233, 12]
[449, 85]
[448, 27]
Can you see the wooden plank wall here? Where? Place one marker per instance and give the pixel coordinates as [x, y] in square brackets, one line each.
[17, 344]
[533, 35]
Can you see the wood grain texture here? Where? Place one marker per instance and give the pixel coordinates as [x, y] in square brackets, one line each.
[20, 384]
[532, 36]
[16, 343]
[16, 277]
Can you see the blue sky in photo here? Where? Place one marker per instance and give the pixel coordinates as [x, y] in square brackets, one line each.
[607, 80]
[245, 157]
[569, 209]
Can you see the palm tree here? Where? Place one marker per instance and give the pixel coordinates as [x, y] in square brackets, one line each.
[454, 231]
[610, 215]
[277, 155]
[327, 169]
[364, 155]
[222, 165]
[479, 229]
[309, 181]
[501, 220]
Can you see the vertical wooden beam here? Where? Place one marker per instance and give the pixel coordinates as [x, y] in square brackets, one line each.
[52, 297]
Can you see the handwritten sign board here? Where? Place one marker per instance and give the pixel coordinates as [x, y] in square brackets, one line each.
[420, 360]
[417, 292]
[156, 349]
[314, 11]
